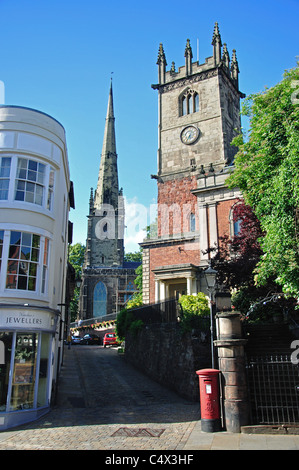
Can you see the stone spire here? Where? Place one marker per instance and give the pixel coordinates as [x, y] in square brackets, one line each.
[161, 62]
[107, 187]
[188, 56]
[217, 44]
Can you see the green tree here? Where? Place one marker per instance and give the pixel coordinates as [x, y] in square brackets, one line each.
[136, 256]
[266, 171]
[76, 259]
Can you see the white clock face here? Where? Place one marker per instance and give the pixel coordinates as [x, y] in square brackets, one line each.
[189, 135]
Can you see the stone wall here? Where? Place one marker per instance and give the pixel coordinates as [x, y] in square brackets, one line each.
[170, 357]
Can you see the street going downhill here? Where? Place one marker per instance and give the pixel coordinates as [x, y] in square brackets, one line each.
[103, 403]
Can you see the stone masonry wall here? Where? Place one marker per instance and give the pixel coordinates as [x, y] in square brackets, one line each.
[170, 357]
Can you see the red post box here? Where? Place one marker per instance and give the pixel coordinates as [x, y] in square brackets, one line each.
[209, 399]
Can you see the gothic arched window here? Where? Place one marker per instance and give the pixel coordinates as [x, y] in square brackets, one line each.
[189, 103]
[99, 300]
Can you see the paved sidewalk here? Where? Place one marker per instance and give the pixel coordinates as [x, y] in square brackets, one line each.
[161, 425]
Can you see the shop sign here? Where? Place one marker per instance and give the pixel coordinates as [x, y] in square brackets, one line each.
[27, 319]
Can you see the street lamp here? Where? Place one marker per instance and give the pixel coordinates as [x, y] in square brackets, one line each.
[210, 276]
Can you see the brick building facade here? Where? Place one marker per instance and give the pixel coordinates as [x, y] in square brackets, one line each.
[199, 114]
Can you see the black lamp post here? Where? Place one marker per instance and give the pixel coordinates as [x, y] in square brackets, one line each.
[210, 276]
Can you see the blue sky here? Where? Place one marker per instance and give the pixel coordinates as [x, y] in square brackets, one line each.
[57, 56]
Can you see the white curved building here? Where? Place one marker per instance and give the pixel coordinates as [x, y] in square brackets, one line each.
[35, 198]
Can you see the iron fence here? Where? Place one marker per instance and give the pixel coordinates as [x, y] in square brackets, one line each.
[273, 390]
[168, 311]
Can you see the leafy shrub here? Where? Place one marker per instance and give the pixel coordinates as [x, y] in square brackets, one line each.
[194, 309]
[127, 322]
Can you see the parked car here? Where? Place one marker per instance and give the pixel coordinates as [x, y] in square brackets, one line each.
[76, 340]
[110, 339]
[90, 339]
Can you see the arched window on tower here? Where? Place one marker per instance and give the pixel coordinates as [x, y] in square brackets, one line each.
[99, 300]
[189, 102]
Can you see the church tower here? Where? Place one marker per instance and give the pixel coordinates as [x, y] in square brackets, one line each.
[199, 115]
[107, 281]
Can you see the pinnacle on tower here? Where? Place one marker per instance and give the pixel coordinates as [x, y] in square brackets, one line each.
[217, 44]
[235, 68]
[161, 62]
[225, 56]
[188, 56]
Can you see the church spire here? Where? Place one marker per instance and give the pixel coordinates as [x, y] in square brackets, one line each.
[107, 187]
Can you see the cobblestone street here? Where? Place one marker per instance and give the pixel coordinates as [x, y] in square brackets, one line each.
[104, 403]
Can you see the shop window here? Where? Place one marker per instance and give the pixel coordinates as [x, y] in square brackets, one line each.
[6, 340]
[23, 260]
[24, 371]
[99, 300]
[5, 163]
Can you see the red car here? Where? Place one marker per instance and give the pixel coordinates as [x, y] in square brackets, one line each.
[110, 339]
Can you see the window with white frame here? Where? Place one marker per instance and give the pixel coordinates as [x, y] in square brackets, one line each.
[1, 246]
[5, 163]
[30, 181]
[26, 180]
[26, 257]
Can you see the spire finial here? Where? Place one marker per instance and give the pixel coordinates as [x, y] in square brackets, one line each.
[225, 56]
[188, 56]
[216, 35]
[217, 44]
[161, 55]
[161, 62]
[234, 68]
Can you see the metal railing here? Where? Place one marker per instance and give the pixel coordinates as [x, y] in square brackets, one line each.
[168, 311]
[91, 321]
[274, 389]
